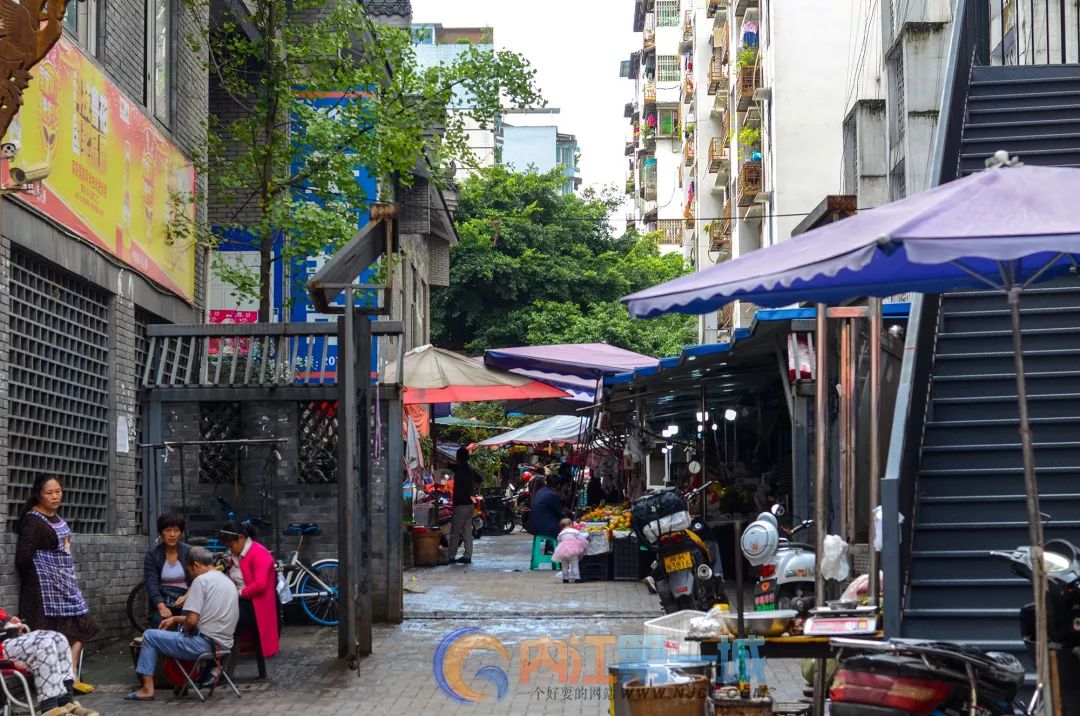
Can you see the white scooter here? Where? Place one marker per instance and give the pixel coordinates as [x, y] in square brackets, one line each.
[785, 568]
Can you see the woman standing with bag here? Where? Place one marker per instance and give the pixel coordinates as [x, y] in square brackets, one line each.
[49, 596]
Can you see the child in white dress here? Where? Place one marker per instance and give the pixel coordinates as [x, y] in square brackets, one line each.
[569, 551]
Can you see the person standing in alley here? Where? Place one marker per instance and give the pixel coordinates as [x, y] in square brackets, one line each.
[465, 479]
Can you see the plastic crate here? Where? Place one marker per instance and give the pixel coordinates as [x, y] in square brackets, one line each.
[595, 568]
[674, 627]
[627, 563]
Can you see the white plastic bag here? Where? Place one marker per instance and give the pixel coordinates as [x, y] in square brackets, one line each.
[878, 528]
[283, 591]
[834, 563]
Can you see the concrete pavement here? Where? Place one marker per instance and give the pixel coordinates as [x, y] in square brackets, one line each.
[543, 635]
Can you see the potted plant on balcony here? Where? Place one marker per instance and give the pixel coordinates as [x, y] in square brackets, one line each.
[747, 57]
[750, 143]
[629, 187]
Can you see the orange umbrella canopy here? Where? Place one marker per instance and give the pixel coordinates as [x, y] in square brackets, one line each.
[435, 375]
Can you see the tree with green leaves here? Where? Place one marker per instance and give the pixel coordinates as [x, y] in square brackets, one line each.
[536, 266]
[286, 165]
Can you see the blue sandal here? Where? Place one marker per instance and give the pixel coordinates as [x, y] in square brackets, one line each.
[134, 696]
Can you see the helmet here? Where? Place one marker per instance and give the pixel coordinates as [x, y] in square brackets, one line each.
[526, 475]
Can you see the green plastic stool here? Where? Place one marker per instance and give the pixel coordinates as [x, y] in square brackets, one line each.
[538, 556]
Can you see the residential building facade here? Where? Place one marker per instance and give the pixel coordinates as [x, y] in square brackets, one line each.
[735, 131]
[530, 139]
[116, 112]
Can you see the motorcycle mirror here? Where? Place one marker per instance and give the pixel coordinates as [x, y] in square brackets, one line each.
[778, 510]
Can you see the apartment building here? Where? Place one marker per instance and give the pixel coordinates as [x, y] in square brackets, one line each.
[735, 130]
[530, 139]
[435, 44]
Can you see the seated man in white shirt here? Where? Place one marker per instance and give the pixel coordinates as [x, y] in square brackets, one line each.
[211, 611]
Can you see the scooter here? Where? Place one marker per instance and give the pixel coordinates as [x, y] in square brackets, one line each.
[479, 517]
[1061, 560]
[687, 572]
[785, 568]
[894, 677]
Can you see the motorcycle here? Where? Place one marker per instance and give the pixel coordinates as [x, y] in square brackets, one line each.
[785, 568]
[1061, 560]
[687, 572]
[893, 677]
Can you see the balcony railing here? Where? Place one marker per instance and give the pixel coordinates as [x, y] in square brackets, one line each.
[647, 190]
[688, 88]
[630, 147]
[650, 92]
[719, 153]
[746, 84]
[671, 231]
[648, 39]
[750, 182]
[688, 152]
[718, 76]
[720, 231]
[688, 27]
[714, 6]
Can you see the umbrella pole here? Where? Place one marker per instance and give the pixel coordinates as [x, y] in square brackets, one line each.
[821, 512]
[875, 447]
[1035, 531]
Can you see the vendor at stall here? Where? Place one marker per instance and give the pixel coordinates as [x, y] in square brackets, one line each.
[547, 509]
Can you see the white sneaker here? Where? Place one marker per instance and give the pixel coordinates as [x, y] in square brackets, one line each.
[651, 584]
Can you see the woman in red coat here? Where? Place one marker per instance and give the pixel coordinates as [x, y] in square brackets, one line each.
[251, 567]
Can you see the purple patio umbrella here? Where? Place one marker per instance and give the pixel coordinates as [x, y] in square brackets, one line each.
[1005, 227]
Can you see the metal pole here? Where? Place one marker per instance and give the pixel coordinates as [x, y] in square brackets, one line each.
[875, 438]
[821, 513]
[1035, 531]
[847, 442]
[347, 488]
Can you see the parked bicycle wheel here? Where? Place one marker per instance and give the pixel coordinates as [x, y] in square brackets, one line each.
[321, 608]
[138, 608]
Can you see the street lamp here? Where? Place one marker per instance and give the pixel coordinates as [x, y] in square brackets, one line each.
[730, 415]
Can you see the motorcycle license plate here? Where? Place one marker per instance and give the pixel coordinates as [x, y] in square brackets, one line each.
[675, 562]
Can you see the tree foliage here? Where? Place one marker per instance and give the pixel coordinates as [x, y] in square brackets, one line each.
[294, 160]
[535, 266]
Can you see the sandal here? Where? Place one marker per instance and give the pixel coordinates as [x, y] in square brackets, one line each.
[134, 696]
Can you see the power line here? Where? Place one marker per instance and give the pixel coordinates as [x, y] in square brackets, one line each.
[590, 220]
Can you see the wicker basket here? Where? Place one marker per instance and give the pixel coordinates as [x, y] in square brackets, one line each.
[668, 699]
[425, 548]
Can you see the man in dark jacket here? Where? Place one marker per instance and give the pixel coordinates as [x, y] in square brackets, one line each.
[465, 479]
[547, 509]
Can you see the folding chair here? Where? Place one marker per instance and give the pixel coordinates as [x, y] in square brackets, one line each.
[222, 658]
[20, 674]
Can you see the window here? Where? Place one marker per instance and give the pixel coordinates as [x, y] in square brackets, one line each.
[669, 117]
[667, 68]
[80, 21]
[667, 13]
[159, 29]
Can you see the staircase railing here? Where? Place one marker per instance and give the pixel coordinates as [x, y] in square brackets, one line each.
[1031, 32]
[900, 483]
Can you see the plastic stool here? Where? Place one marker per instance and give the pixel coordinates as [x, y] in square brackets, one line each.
[538, 557]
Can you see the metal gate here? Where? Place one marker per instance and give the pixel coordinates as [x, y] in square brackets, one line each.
[58, 390]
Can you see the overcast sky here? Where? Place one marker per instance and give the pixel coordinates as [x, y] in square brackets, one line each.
[575, 46]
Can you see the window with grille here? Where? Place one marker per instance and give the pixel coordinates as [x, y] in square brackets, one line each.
[897, 116]
[317, 439]
[667, 68]
[58, 394]
[219, 463]
[668, 118]
[667, 13]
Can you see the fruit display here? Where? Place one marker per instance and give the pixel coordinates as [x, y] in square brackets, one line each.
[604, 513]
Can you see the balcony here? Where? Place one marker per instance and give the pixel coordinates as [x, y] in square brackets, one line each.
[671, 232]
[687, 31]
[650, 92]
[688, 88]
[719, 154]
[648, 39]
[751, 183]
[714, 6]
[718, 76]
[745, 85]
[631, 146]
[647, 191]
[720, 231]
[741, 6]
[688, 152]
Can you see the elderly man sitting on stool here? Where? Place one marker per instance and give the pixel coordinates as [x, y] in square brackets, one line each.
[211, 611]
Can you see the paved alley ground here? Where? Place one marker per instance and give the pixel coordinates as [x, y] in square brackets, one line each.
[516, 610]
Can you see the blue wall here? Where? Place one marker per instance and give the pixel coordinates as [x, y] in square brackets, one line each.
[525, 146]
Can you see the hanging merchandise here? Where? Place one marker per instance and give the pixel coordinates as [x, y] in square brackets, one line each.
[800, 360]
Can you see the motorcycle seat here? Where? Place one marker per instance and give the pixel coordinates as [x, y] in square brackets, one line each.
[302, 528]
